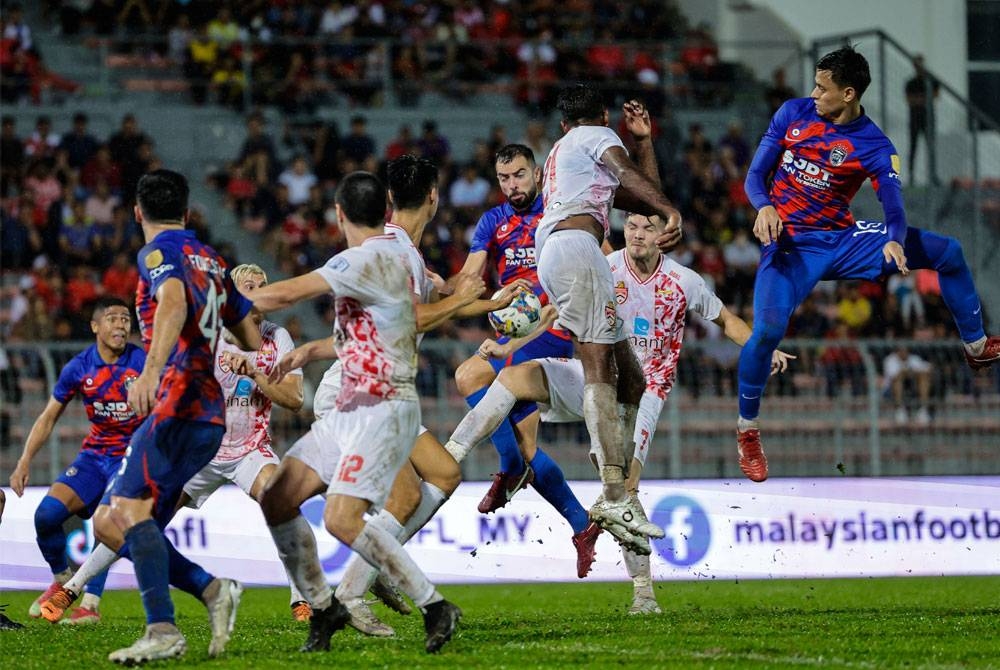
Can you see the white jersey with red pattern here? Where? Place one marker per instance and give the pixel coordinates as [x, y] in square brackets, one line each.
[248, 410]
[653, 314]
[423, 287]
[375, 325]
[576, 181]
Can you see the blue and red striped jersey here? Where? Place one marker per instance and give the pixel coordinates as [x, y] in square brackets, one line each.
[103, 389]
[188, 388]
[818, 167]
[508, 237]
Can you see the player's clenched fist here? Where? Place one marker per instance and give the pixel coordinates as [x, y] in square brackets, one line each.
[768, 226]
[671, 235]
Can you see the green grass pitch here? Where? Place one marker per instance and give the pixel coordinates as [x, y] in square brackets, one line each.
[864, 623]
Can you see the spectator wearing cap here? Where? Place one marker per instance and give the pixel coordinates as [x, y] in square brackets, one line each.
[80, 146]
[358, 146]
[432, 145]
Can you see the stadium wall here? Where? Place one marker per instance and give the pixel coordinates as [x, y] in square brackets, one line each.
[715, 529]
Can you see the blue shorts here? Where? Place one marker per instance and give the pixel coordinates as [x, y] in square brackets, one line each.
[546, 345]
[792, 267]
[88, 475]
[164, 454]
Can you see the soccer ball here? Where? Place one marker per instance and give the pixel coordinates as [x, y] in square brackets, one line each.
[519, 317]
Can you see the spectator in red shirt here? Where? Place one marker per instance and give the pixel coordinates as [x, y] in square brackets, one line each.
[121, 279]
[101, 168]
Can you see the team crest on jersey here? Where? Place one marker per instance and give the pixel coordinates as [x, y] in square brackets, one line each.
[621, 293]
[611, 314]
[154, 259]
[838, 154]
[71, 471]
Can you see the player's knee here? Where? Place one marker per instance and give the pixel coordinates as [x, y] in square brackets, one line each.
[472, 375]
[769, 327]
[952, 257]
[343, 527]
[516, 377]
[51, 514]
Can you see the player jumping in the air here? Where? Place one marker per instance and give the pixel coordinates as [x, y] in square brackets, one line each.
[653, 294]
[818, 151]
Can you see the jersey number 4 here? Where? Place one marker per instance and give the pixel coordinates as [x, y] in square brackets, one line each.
[209, 321]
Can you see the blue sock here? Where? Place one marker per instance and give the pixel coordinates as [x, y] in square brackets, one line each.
[49, 518]
[95, 586]
[927, 250]
[148, 548]
[503, 438]
[185, 575]
[551, 485]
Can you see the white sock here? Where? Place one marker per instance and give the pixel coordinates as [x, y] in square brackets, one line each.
[481, 421]
[640, 572]
[976, 348]
[431, 499]
[100, 559]
[629, 413]
[297, 550]
[360, 575]
[90, 602]
[744, 425]
[382, 550]
[600, 411]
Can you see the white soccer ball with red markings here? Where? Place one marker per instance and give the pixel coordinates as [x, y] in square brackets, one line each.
[519, 317]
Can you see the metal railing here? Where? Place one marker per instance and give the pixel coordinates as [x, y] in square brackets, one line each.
[834, 412]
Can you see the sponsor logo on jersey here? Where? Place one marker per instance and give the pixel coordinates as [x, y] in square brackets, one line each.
[621, 292]
[157, 271]
[805, 172]
[838, 154]
[793, 135]
[338, 264]
[153, 259]
[640, 326]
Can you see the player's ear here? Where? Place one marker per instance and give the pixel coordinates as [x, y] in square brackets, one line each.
[605, 117]
[93, 327]
[185, 217]
[340, 215]
[565, 126]
[432, 197]
[850, 94]
[538, 174]
[137, 213]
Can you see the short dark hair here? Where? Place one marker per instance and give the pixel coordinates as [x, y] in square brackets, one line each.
[509, 152]
[80, 117]
[104, 302]
[410, 180]
[162, 195]
[579, 102]
[847, 68]
[362, 198]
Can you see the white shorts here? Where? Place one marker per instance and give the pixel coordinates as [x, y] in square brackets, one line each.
[359, 452]
[565, 382]
[913, 364]
[577, 278]
[325, 399]
[240, 471]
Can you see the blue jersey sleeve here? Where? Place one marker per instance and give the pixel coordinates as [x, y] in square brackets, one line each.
[766, 156]
[157, 263]
[883, 170]
[68, 382]
[237, 306]
[486, 228]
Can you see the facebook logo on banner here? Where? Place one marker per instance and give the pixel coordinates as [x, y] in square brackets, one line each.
[640, 326]
[688, 532]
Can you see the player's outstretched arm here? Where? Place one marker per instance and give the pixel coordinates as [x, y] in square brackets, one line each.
[288, 292]
[507, 295]
[302, 355]
[637, 122]
[468, 288]
[737, 330]
[168, 321]
[246, 334]
[493, 349]
[39, 435]
[639, 194]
